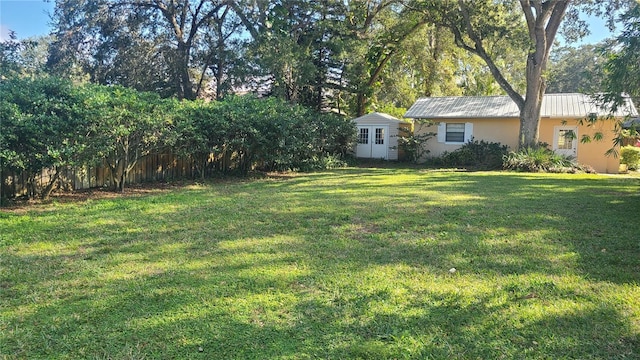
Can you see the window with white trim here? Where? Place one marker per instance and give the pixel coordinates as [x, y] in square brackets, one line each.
[455, 133]
[379, 136]
[566, 139]
[363, 136]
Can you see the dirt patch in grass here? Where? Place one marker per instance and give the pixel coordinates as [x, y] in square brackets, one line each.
[22, 205]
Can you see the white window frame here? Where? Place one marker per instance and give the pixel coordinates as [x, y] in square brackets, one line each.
[442, 133]
[363, 140]
[379, 136]
[573, 151]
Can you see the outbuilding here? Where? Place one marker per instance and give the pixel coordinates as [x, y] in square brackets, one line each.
[458, 119]
[378, 136]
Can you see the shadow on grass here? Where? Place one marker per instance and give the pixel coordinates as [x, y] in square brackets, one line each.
[331, 265]
[499, 219]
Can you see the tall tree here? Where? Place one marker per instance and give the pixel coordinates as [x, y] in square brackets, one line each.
[124, 34]
[622, 69]
[479, 26]
[425, 65]
[23, 58]
[378, 30]
[430, 64]
[577, 69]
[325, 54]
[296, 47]
[223, 57]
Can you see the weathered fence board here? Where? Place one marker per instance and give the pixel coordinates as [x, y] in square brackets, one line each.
[155, 167]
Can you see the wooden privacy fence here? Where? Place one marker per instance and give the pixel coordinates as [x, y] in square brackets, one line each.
[155, 167]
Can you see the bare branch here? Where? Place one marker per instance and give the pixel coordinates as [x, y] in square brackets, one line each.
[529, 16]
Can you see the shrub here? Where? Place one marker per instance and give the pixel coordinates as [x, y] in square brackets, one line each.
[479, 154]
[630, 155]
[245, 133]
[49, 124]
[323, 162]
[42, 128]
[413, 145]
[539, 159]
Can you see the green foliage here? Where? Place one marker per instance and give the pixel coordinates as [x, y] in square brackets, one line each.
[381, 33]
[125, 125]
[414, 143]
[23, 58]
[150, 46]
[540, 159]
[340, 55]
[246, 133]
[199, 133]
[42, 128]
[391, 109]
[577, 69]
[630, 156]
[622, 69]
[49, 124]
[478, 154]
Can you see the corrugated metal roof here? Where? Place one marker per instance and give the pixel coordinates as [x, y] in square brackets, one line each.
[376, 116]
[553, 105]
[633, 122]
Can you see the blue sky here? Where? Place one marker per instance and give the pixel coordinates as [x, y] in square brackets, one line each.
[31, 18]
[26, 17]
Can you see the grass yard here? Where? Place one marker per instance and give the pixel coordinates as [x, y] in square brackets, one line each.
[353, 263]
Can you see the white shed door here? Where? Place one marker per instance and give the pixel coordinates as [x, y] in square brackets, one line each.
[373, 141]
[565, 140]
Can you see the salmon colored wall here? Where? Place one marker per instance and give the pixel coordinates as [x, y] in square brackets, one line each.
[505, 131]
[592, 153]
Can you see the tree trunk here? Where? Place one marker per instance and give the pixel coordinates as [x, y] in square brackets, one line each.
[543, 21]
[117, 170]
[543, 25]
[31, 186]
[219, 74]
[123, 178]
[115, 176]
[529, 124]
[185, 86]
[361, 104]
[46, 192]
[530, 111]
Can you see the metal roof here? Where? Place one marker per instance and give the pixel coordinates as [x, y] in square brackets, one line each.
[633, 122]
[553, 105]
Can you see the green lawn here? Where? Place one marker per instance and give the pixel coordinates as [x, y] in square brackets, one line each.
[353, 263]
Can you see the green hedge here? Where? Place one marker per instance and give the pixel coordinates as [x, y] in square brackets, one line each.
[49, 123]
[630, 156]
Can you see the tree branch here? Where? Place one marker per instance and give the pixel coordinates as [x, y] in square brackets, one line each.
[529, 16]
[553, 25]
[479, 50]
[245, 20]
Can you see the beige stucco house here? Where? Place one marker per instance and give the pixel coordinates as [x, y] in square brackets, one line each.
[457, 120]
